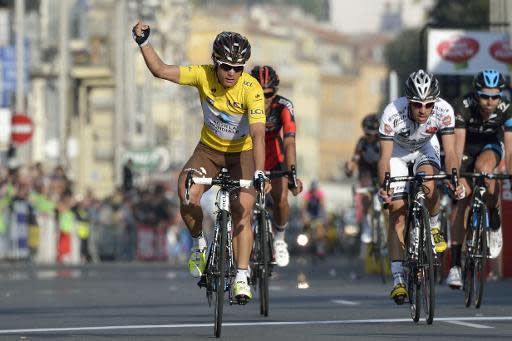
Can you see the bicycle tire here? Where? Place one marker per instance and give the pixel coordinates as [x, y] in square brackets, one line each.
[413, 285]
[414, 292]
[221, 272]
[428, 279]
[468, 267]
[480, 262]
[264, 264]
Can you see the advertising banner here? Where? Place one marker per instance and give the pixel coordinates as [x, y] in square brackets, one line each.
[460, 52]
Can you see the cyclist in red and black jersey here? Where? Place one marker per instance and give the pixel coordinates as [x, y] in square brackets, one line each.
[279, 154]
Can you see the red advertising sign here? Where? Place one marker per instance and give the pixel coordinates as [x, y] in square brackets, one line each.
[463, 52]
[501, 51]
[22, 128]
[459, 50]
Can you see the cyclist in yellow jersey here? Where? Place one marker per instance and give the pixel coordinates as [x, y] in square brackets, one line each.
[233, 137]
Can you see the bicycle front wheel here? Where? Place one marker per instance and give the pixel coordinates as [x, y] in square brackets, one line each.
[468, 269]
[264, 260]
[220, 274]
[481, 261]
[428, 264]
[413, 283]
[414, 292]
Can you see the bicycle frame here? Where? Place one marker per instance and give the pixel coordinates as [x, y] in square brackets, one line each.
[220, 265]
[476, 241]
[420, 256]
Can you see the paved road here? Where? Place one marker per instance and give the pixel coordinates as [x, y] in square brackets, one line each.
[161, 302]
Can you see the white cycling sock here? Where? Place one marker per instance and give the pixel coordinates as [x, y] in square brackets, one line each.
[280, 230]
[397, 269]
[434, 221]
[200, 242]
[241, 275]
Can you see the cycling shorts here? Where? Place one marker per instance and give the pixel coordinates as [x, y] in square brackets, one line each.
[207, 162]
[428, 154]
[473, 150]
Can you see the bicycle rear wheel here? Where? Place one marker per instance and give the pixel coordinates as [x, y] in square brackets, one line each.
[481, 261]
[264, 260]
[220, 274]
[427, 264]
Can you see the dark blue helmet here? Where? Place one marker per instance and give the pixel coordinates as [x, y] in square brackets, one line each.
[491, 79]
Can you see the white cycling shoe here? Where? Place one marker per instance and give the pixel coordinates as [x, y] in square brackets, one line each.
[281, 253]
[454, 279]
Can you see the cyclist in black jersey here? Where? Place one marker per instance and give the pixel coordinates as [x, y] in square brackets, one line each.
[483, 120]
[366, 154]
[365, 160]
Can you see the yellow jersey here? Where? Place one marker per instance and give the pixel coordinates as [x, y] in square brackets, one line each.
[227, 112]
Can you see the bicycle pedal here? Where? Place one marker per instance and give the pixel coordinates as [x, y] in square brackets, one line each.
[202, 282]
[242, 300]
[399, 300]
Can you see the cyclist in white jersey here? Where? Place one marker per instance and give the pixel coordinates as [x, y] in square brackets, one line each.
[407, 133]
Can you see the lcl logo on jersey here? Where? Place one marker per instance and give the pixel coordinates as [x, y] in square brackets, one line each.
[236, 105]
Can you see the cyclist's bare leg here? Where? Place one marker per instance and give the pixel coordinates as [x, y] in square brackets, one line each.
[279, 195]
[459, 213]
[192, 214]
[397, 216]
[486, 163]
[432, 194]
[242, 229]
[397, 219]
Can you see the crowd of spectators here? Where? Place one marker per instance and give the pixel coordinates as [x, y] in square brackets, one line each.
[109, 228]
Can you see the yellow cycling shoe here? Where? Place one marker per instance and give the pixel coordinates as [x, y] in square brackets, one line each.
[439, 242]
[399, 293]
[197, 262]
[242, 292]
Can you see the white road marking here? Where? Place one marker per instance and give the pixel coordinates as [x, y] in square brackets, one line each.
[345, 302]
[467, 324]
[247, 324]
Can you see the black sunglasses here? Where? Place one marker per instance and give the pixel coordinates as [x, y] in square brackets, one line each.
[418, 105]
[227, 67]
[269, 94]
[483, 95]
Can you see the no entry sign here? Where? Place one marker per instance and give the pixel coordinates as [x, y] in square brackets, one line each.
[21, 129]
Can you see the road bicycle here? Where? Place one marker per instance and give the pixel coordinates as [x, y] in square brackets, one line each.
[263, 250]
[420, 257]
[220, 271]
[378, 242]
[475, 248]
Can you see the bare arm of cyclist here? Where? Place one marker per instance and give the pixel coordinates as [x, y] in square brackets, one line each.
[258, 148]
[508, 151]
[452, 160]
[157, 67]
[291, 160]
[386, 149]
[450, 156]
[460, 139]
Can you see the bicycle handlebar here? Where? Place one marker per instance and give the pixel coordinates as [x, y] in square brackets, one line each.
[419, 176]
[220, 181]
[489, 176]
[291, 174]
